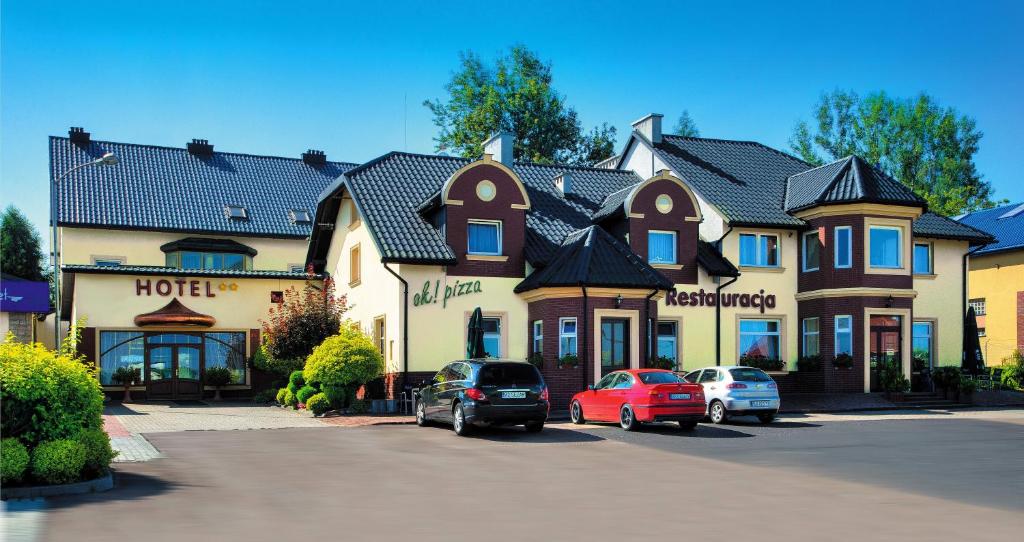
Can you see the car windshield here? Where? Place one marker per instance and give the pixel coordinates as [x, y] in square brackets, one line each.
[660, 378]
[749, 375]
[509, 374]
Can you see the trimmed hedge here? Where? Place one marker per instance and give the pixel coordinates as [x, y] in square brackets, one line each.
[14, 460]
[290, 399]
[318, 404]
[305, 393]
[59, 461]
[98, 453]
[295, 381]
[281, 394]
[348, 359]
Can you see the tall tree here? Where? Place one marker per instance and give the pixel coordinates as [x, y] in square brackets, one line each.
[21, 251]
[927, 147]
[515, 95]
[685, 126]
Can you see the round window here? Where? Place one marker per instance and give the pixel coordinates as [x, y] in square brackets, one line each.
[663, 203]
[486, 190]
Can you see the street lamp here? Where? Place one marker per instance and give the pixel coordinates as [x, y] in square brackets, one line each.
[108, 159]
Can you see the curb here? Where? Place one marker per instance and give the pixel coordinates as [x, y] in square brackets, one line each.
[897, 408]
[103, 483]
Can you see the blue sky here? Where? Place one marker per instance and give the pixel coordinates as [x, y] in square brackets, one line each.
[278, 78]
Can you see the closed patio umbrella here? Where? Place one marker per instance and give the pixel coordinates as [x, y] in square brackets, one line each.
[475, 336]
[973, 361]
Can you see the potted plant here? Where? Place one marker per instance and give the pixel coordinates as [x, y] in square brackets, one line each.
[762, 362]
[843, 361]
[536, 359]
[568, 360]
[947, 379]
[894, 382]
[218, 377]
[126, 376]
[809, 364]
[662, 362]
[967, 388]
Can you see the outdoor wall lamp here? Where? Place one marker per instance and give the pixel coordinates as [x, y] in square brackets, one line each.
[888, 302]
[108, 159]
[618, 301]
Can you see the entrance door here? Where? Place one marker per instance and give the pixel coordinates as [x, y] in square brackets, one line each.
[614, 344]
[886, 343]
[174, 372]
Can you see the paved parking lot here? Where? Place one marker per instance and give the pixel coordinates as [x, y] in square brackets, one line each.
[169, 416]
[915, 477]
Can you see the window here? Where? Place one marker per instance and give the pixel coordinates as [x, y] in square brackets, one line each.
[566, 337]
[492, 337]
[886, 243]
[843, 247]
[668, 341]
[623, 382]
[709, 375]
[811, 344]
[209, 260]
[296, 268]
[922, 258]
[513, 375]
[811, 251]
[121, 349]
[226, 350]
[661, 247]
[749, 374]
[538, 337]
[759, 250]
[484, 237]
[299, 216]
[107, 262]
[844, 335]
[380, 334]
[606, 382]
[355, 271]
[236, 212]
[760, 338]
[978, 304]
[921, 345]
[981, 332]
[660, 378]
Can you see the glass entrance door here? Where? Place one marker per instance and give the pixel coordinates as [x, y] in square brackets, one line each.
[886, 343]
[187, 382]
[174, 366]
[614, 344]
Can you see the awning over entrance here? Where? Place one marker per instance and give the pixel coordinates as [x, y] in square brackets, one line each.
[175, 314]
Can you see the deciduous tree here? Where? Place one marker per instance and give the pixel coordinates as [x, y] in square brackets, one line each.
[20, 247]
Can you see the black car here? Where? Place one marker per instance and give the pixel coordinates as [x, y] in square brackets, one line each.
[469, 393]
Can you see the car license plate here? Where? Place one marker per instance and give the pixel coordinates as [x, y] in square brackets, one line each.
[759, 403]
[679, 396]
[513, 395]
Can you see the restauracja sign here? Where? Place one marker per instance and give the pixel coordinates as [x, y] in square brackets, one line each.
[180, 287]
[431, 292]
[710, 299]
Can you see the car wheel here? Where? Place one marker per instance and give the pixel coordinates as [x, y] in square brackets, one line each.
[421, 414]
[627, 419]
[576, 413]
[534, 426]
[459, 421]
[717, 413]
[766, 418]
[687, 426]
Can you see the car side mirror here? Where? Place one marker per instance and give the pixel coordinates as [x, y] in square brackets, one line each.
[591, 387]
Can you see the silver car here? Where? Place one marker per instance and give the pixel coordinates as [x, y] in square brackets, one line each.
[737, 391]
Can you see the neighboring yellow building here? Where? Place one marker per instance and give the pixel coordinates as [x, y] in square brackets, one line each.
[996, 281]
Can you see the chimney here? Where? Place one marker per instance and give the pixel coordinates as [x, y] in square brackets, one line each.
[314, 157]
[500, 147]
[78, 135]
[649, 127]
[200, 147]
[563, 182]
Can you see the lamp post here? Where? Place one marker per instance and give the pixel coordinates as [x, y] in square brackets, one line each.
[108, 159]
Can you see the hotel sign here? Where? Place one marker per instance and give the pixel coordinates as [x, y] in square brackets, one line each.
[431, 292]
[701, 298]
[181, 287]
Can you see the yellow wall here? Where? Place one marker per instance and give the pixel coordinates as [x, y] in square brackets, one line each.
[998, 278]
[939, 299]
[81, 245]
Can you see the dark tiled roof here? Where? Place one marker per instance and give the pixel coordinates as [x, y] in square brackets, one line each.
[713, 262]
[744, 180]
[177, 272]
[848, 180]
[592, 257]
[939, 227]
[169, 189]
[613, 205]
[1008, 231]
[392, 190]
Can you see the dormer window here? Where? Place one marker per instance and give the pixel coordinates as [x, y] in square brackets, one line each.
[207, 253]
[484, 237]
[299, 216]
[236, 212]
[661, 247]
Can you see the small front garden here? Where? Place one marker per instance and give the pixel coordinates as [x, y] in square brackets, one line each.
[52, 424]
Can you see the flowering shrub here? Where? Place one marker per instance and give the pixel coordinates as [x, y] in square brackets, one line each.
[302, 321]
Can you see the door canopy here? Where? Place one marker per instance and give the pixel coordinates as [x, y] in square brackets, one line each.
[175, 314]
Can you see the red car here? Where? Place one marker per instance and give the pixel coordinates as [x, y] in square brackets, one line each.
[635, 396]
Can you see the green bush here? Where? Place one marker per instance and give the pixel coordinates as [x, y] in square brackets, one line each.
[295, 381]
[359, 406]
[892, 378]
[968, 385]
[219, 377]
[305, 393]
[290, 399]
[842, 361]
[59, 461]
[568, 360]
[281, 395]
[263, 397]
[98, 453]
[536, 359]
[339, 396]
[263, 361]
[45, 395]
[318, 404]
[347, 359]
[947, 378]
[1012, 375]
[808, 364]
[13, 460]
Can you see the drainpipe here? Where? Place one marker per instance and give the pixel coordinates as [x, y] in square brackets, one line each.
[963, 301]
[586, 337]
[718, 305]
[405, 324]
[648, 341]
